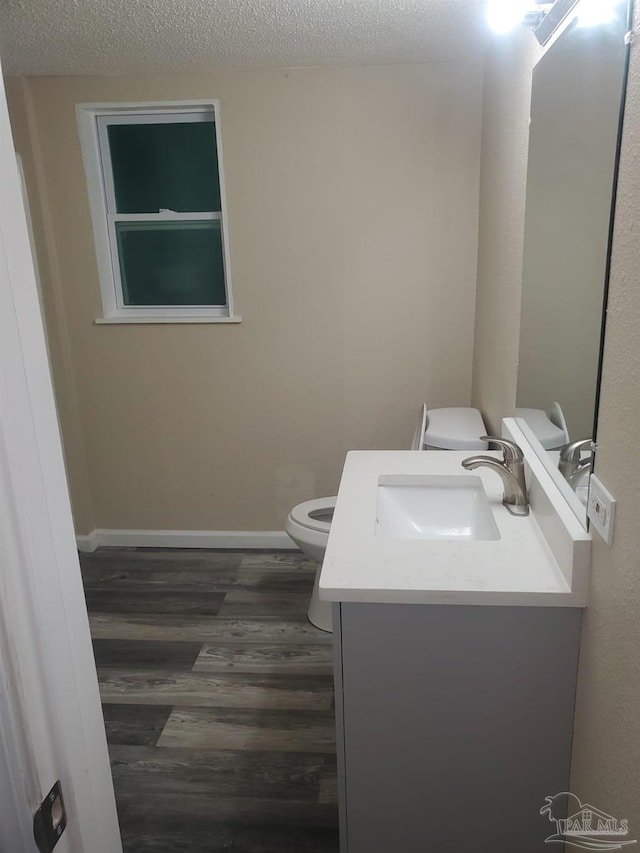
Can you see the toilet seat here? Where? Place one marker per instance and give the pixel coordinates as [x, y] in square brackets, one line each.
[303, 514]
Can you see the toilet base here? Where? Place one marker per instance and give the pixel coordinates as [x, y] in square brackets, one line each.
[319, 612]
[313, 543]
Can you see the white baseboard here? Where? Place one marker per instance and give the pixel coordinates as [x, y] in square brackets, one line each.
[248, 539]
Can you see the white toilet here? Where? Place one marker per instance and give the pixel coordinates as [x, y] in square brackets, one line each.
[550, 429]
[309, 523]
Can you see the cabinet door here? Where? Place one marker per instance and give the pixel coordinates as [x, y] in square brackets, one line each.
[457, 724]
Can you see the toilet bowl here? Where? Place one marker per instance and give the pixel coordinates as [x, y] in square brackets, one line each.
[309, 523]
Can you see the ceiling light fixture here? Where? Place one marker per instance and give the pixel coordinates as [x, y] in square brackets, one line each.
[503, 16]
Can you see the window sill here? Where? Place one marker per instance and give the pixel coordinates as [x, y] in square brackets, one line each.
[111, 321]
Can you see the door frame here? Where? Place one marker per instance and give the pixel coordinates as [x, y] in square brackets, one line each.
[45, 642]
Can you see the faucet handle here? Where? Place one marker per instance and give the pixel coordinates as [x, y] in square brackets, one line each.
[571, 452]
[512, 453]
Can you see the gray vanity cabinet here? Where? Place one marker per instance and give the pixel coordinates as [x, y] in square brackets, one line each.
[454, 723]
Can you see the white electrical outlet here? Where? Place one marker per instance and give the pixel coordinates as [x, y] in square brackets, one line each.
[601, 509]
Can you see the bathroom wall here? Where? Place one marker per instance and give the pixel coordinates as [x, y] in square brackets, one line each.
[353, 215]
[503, 175]
[606, 753]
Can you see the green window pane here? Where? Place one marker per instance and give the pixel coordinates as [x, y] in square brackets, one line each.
[172, 166]
[171, 263]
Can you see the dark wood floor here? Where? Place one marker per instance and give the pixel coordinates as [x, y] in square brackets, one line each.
[218, 700]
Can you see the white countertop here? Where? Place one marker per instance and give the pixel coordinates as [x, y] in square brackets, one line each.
[519, 568]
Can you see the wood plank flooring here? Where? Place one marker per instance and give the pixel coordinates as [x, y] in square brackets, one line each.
[218, 700]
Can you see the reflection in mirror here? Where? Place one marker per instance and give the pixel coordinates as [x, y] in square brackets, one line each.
[573, 145]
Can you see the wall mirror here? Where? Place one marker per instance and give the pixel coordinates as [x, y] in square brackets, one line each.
[576, 107]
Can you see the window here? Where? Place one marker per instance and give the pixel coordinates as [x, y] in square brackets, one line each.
[154, 173]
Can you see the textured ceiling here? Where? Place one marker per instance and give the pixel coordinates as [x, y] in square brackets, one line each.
[128, 36]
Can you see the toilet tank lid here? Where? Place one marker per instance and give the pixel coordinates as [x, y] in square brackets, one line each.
[455, 428]
[550, 436]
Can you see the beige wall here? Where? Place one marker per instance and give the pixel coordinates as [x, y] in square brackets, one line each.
[505, 135]
[353, 204]
[606, 760]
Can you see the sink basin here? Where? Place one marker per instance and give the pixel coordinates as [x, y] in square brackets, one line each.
[433, 507]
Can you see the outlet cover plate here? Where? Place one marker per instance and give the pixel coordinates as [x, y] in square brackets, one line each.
[601, 509]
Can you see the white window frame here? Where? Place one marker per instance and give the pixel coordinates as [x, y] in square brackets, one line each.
[93, 120]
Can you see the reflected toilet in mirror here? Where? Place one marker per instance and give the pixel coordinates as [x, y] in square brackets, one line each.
[573, 459]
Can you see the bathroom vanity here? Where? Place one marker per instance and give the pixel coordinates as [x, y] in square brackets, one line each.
[456, 652]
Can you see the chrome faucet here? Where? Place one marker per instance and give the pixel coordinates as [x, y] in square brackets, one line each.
[510, 469]
[570, 464]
